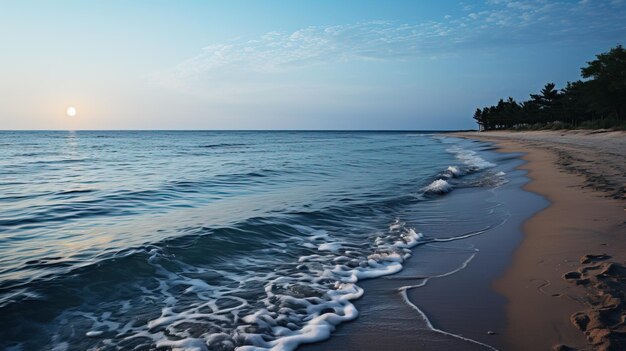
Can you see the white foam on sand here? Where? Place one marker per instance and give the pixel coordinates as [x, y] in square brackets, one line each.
[403, 293]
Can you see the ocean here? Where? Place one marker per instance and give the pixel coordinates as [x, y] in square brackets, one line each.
[211, 240]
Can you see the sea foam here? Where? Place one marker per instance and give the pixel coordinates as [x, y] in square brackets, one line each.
[322, 314]
[438, 186]
[471, 163]
[301, 304]
[470, 158]
[454, 171]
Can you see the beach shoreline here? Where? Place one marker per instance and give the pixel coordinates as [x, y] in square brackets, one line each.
[566, 222]
[456, 306]
[565, 285]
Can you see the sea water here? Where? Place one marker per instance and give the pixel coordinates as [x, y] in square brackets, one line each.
[212, 240]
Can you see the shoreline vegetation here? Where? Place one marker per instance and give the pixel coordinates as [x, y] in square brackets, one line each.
[568, 275]
[598, 101]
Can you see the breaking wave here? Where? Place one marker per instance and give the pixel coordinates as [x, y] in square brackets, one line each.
[471, 163]
[438, 186]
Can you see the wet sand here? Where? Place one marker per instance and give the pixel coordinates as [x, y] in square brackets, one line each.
[566, 283]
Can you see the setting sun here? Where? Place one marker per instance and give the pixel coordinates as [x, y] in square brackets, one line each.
[71, 111]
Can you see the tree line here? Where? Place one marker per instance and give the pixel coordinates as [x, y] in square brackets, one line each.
[596, 101]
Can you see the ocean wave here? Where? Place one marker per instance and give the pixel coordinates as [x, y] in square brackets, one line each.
[183, 303]
[82, 204]
[448, 179]
[438, 186]
[222, 145]
[453, 172]
[470, 158]
[228, 247]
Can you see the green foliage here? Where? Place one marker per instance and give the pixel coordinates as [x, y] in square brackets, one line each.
[599, 101]
[604, 124]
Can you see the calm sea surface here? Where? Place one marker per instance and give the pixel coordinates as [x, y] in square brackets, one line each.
[218, 240]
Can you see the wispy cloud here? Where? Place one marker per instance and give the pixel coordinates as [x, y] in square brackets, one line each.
[491, 24]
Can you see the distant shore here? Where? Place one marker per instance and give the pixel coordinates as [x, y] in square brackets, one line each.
[566, 284]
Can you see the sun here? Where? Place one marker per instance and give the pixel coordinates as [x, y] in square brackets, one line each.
[71, 111]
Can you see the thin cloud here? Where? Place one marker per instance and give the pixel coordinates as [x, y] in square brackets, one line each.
[492, 24]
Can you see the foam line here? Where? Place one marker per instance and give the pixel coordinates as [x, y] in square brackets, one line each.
[403, 293]
[471, 234]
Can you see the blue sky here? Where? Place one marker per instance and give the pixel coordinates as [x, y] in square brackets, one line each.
[287, 64]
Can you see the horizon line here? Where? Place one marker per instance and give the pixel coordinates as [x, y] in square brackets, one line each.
[239, 130]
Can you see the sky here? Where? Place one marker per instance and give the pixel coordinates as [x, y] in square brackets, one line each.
[392, 65]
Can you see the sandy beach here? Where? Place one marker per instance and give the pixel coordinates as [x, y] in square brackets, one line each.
[565, 287]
